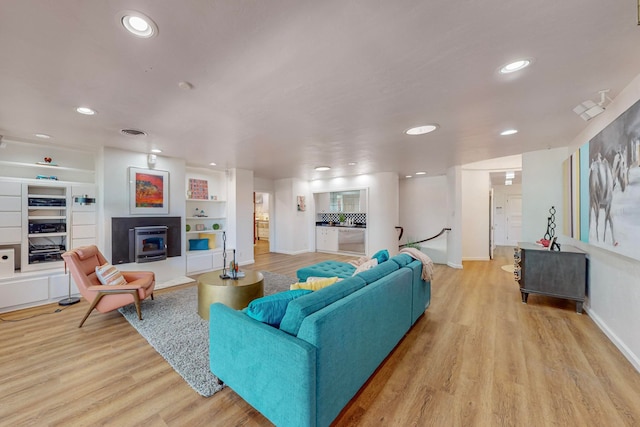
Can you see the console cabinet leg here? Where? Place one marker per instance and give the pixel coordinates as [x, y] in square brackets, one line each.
[525, 296]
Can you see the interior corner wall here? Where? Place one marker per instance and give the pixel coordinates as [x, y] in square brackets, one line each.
[542, 182]
[613, 297]
[476, 186]
[240, 214]
[454, 217]
[115, 192]
[292, 230]
[423, 207]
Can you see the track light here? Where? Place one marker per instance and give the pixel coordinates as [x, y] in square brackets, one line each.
[588, 109]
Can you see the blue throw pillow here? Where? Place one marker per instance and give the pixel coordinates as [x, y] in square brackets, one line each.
[271, 309]
[381, 256]
[198, 244]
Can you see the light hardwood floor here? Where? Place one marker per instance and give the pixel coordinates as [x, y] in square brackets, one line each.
[478, 357]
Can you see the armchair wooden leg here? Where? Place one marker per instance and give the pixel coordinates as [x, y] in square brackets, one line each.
[93, 305]
[136, 298]
[152, 296]
[134, 292]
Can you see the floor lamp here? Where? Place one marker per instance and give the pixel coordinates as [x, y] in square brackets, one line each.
[69, 300]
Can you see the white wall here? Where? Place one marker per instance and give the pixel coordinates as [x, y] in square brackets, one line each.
[423, 207]
[240, 214]
[475, 215]
[382, 211]
[114, 183]
[292, 228]
[542, 183]
[614, 289]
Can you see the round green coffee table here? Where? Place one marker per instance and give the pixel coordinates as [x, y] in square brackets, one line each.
[236, 293]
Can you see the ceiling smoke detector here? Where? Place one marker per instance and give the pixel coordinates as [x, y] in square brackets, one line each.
[132, 132]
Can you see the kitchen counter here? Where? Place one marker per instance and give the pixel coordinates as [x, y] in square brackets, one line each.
[326, 224]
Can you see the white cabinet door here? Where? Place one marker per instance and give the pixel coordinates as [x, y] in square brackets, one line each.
[326, 239]
[332, 239]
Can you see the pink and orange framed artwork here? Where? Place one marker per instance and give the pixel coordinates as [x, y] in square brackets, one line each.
[148, 191]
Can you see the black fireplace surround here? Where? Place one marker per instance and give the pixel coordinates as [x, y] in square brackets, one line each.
[120, 235]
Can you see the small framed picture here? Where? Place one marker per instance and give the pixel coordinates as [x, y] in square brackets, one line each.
[199, 227]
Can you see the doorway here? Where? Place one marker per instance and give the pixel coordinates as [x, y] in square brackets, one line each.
[261, 223]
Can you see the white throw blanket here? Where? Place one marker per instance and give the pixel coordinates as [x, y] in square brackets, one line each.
[427, 264]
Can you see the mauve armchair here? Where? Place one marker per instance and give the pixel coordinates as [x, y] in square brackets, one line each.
[82, 263]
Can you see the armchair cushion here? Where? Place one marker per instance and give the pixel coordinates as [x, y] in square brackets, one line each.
[109, 275]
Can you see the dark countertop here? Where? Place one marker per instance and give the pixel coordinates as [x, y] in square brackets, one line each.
[326, 224]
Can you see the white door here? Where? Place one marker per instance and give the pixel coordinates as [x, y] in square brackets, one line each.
[514, 219]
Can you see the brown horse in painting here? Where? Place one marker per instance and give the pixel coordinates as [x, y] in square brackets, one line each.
[601, 193]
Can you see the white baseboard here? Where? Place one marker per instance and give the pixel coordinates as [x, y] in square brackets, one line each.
[626, 352]
[452, 265]
[300, 252]
[479, 258]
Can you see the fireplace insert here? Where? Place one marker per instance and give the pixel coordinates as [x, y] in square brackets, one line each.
[149, 243]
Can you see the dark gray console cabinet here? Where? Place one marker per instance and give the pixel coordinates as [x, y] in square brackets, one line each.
[561, 274]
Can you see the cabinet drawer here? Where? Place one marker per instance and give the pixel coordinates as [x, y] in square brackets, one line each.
[10, 204]
[199, 263]
[10, 219]
[83, 231]
[24, 291]
[10, 189]
[76, 243]
[10, 235]
[84, 218]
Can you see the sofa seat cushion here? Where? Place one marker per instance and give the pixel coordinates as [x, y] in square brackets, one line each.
[326, 269]
[271, 309]
[378, 272]
[301, 307]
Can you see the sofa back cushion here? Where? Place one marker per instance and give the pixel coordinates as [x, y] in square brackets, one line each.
[402, 260]
[301, 307]
[271, 309]
[378, 272]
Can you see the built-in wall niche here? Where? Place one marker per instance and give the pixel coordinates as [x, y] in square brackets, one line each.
[120, 226]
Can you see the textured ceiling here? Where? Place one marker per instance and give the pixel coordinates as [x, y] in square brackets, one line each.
[282, 86]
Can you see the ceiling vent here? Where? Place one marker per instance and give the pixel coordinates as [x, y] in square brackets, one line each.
[133, 132]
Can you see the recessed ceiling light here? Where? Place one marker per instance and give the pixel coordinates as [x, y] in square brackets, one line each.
[508, 182]
[86, 111]
[43, 136]
[212, 164]
[509, 132]
[138, 24]
[421, 173]
[421, 130]
[156, 150]
[515, 66]
[408, 176]
[185, 85]
[352, 163]
[322, 168]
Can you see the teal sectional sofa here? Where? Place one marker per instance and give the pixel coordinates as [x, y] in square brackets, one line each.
[328, 344]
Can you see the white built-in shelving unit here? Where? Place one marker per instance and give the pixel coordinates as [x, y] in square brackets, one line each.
[206, 218]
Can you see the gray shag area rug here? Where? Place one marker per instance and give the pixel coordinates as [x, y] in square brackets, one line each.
[172, 326]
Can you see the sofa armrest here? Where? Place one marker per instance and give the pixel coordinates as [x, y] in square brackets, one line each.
[273, 371]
